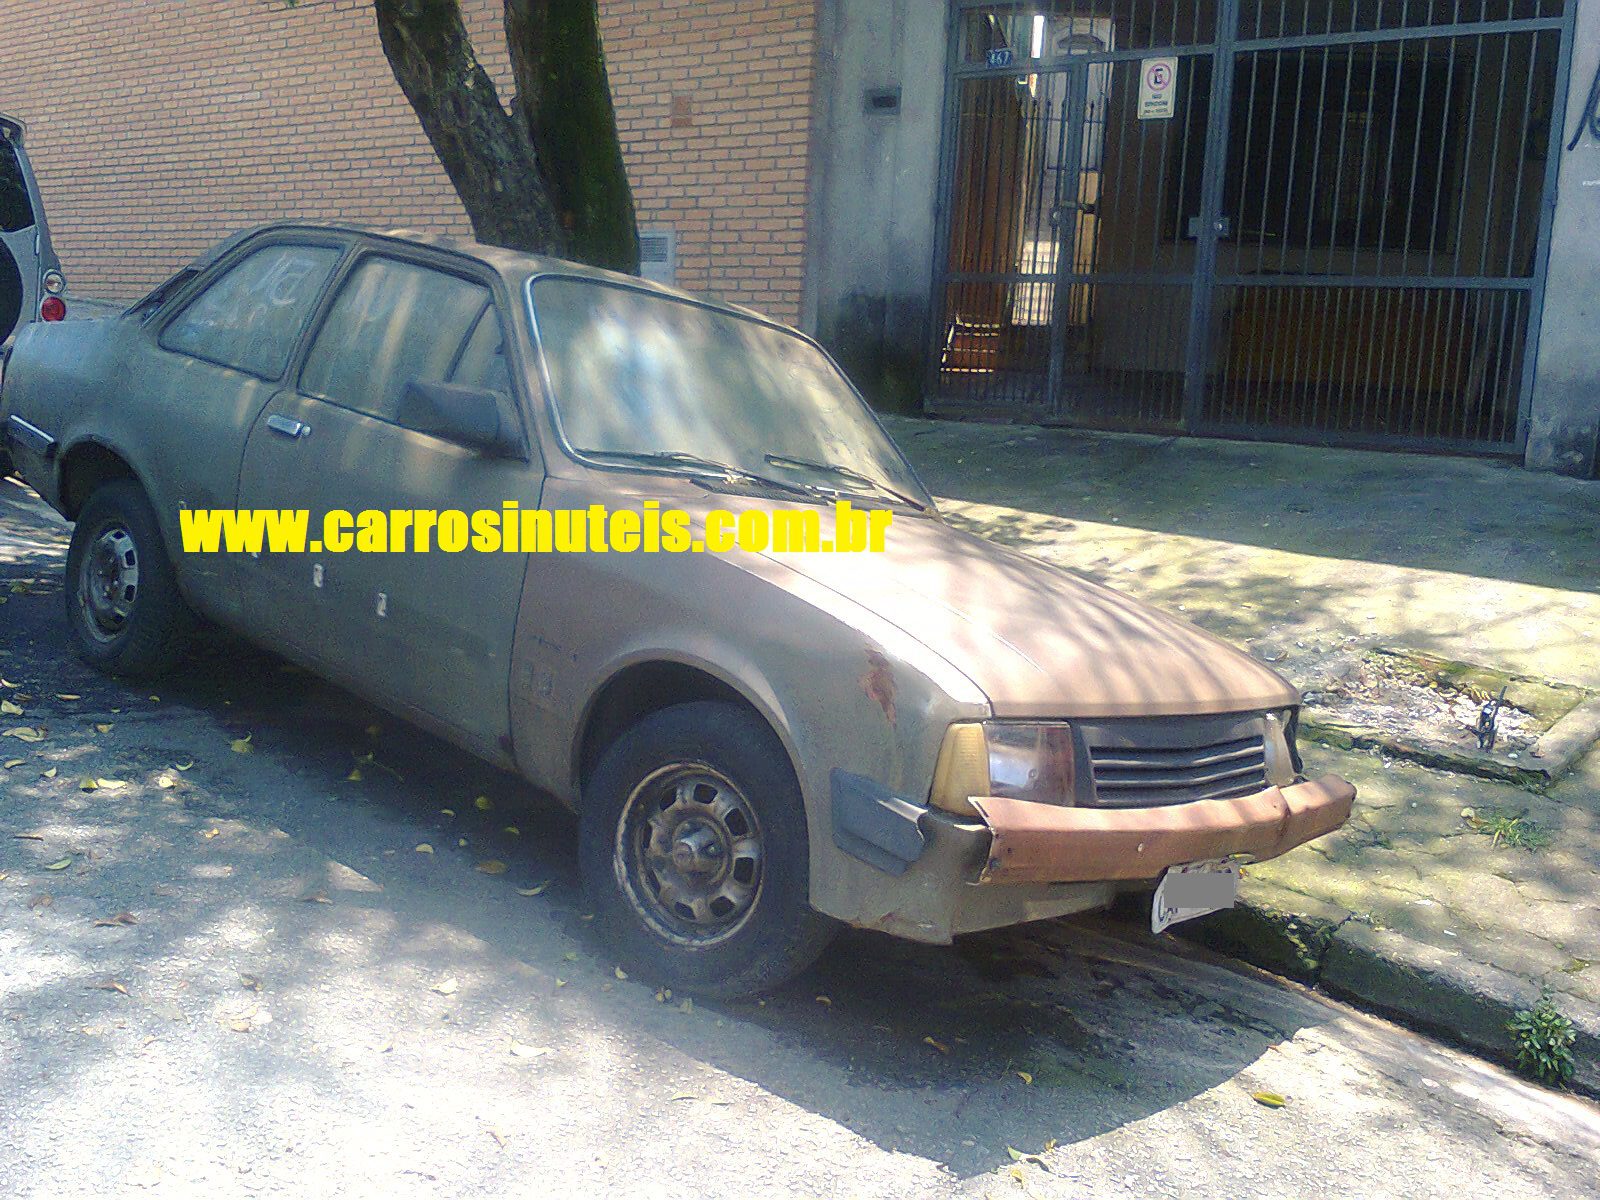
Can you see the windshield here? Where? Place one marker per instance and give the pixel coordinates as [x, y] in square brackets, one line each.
[633, 373]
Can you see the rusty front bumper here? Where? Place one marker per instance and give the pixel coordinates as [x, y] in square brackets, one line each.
[1047, 843]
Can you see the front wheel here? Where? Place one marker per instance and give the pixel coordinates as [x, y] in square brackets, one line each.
[695, 856]
[123, 604]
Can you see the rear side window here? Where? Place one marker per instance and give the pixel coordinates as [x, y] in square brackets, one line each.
[392, 322]
[251, 318]
[16, 210]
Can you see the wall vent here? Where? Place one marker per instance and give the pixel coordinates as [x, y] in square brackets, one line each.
[658, 255]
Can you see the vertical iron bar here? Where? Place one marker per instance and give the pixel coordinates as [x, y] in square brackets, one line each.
[1202, 282]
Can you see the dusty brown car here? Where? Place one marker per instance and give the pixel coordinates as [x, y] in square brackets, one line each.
[944, 737]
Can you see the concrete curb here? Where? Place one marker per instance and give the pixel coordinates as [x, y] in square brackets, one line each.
[1429, 988]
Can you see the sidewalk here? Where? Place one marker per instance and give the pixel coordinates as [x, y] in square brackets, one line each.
[1311, 558]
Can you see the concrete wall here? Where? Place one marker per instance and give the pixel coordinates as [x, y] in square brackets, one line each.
[875, 180]
[1564, 431]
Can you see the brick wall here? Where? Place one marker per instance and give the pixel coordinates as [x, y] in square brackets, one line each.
[159, 126]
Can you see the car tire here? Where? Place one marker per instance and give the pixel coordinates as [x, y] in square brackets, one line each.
[127, 615]
[694, 854]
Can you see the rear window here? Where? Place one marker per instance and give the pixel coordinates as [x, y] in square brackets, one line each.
[16, 209]
[251, 318]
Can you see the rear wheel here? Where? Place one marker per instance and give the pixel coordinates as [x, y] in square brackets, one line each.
[127, 615]
[694, 852]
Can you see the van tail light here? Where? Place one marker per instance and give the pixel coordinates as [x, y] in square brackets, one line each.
[54, 308]
[54, 282]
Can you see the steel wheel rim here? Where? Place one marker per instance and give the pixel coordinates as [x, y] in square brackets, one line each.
[689, 854]
[108, 582]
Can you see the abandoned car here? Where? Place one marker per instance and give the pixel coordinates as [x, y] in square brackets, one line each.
[943, 737]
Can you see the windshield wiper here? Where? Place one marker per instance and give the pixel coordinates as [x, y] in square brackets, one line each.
[877, 485]
[696, 465]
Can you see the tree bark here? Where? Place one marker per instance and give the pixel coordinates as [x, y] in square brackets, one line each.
[548, 179]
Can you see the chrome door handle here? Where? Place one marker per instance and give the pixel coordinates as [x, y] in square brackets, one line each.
[288, 426]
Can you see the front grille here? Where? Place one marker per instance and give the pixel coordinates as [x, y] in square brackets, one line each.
[1156, 763]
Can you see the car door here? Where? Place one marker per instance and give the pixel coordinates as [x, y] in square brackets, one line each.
[194, 394]
[427, 632]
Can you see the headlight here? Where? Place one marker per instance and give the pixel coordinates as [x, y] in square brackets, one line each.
[54, 282]
[1037, 762]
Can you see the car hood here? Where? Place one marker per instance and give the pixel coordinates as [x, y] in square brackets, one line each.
[1038, 640]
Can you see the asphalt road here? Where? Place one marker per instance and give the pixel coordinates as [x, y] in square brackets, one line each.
[253, 981]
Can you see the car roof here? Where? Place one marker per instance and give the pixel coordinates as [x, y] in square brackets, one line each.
[516, 265]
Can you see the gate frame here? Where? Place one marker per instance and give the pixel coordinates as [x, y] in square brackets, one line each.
[1204, 281]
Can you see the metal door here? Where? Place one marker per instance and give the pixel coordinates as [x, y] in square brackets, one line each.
[1328, 222]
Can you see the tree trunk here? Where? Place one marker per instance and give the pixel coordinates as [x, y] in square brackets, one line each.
[549, 180]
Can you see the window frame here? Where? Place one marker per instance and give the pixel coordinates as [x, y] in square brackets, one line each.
[462, 267]
[193, 289]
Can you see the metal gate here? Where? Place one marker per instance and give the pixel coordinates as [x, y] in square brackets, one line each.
[1320, 220]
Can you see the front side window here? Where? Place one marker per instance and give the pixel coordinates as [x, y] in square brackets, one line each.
[392, 322]
[251, 318]
[16, 209]
[636, 373]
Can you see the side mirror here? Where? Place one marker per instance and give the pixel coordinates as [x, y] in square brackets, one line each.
[476, 418]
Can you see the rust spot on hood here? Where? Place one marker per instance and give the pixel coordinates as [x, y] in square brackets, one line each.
[877, 681]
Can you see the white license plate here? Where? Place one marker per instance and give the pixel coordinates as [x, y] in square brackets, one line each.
[1192, 890]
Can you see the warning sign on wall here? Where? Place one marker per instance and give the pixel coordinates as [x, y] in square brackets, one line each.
[1158, 88]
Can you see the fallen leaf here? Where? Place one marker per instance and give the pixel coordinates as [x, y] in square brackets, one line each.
[240, 1024]
[121, 918]
[29, 837]
[374, 729]
[166, 782]
[825, 1000]
[512, 830]
[492, 866]
[102, 728]
[354, 776]
[536, 890]
[561, 983]
[621, 974]
[687, 1006]
[242, 745]
[1016, 1173]
[8, 709]
[424, 848]
[250, 982]
[25, 733]
[518, 1050]
[109, 985]
[102, 785]
[64, 695]
[937, 1045]
[6, 683]
[315, 898]
[211, 833]
[183, 766]
[570, 956]
[50, 774]
[1024, 1076]
[42, 900]
[446, 987]
[483, 803]
[14, 762]
[1269, 1099]
[500, 1138]
[449, 812]
[58, 866]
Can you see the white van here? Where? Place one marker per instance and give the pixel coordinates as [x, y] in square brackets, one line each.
[31, 284]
